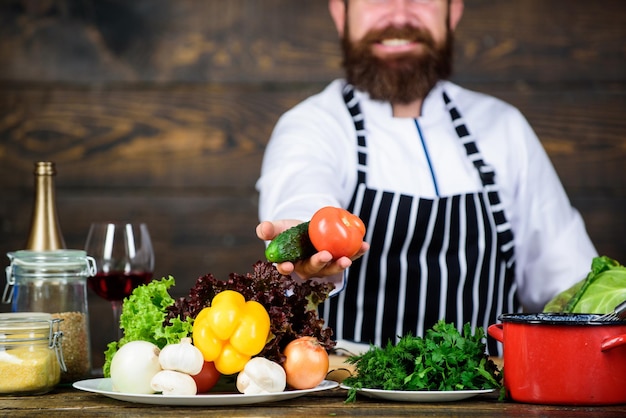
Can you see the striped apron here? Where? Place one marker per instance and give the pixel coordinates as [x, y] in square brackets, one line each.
[448, 257]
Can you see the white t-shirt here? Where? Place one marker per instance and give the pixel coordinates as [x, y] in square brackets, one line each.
[311, 161]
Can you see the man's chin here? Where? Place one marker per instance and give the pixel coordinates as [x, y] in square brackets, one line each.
[403, 65]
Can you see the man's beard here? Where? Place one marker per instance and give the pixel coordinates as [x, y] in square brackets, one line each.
[402, 78]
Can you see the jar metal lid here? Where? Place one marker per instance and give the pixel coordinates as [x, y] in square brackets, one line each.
[60, 259]
[17, 323]
[38, 316]
[66, 264]
[27, 315]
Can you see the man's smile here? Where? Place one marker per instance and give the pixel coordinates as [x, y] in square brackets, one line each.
[394, 46]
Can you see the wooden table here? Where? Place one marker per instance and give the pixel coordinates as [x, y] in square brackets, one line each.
[65, 402]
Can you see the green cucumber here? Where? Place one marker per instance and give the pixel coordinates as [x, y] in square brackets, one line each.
[292, 244]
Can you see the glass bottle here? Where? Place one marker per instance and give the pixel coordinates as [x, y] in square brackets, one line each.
[45, 231]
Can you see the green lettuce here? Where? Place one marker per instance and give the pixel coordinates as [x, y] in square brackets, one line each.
[143, 317]
[599, 293]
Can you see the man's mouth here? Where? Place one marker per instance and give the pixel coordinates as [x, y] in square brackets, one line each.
[395, 42]
[393, 46]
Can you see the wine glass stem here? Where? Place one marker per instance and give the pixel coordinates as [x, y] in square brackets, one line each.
[117, 310]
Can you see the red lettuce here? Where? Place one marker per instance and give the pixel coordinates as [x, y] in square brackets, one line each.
[290, 303]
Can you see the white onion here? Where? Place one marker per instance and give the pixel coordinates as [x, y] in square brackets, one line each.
[133, 367]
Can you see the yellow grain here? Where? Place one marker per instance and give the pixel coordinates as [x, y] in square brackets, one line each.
[25, 369]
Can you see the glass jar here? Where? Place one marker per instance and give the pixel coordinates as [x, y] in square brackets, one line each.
[55, 282]
[31, 355]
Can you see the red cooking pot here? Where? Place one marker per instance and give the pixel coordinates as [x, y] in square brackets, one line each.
[563, 359]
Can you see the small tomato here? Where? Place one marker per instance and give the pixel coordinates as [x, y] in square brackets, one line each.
[306, 363]
[207, 378]
[337, 231]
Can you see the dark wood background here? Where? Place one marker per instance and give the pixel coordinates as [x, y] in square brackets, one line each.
[159, 111]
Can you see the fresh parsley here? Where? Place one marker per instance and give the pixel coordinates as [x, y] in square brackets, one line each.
[444, 359]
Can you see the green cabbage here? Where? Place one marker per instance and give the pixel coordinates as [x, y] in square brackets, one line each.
[600, 292]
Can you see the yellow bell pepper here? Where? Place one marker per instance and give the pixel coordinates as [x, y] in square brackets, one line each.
[231, 331]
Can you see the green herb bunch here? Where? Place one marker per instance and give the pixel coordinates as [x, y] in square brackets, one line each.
[442, 360]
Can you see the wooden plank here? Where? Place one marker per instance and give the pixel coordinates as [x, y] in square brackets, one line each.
[167, 40]
[547, 41]
[200, 138]
[195, 41]
[162, 137]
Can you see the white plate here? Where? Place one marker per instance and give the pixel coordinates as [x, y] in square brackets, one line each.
[103, 387]
[421, 395]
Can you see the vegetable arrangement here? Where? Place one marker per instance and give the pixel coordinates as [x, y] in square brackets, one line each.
[332, 229]
[443, 360]
[602, 290]
[230, 321]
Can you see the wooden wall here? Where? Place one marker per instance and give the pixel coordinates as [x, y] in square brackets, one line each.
[159, 110]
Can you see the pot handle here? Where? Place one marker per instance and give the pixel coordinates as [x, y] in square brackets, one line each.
[496, 332]
[613, 342]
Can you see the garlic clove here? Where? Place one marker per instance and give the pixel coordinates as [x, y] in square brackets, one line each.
[170, 382]
[182, 357]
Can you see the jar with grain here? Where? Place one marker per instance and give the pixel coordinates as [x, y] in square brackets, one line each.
[31, 354]
[55, 282]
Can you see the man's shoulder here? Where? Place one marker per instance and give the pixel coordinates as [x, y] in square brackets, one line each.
[466, 97]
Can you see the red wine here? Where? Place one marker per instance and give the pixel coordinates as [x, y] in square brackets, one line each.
[116, 285]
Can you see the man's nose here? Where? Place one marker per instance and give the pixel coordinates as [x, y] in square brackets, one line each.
[399, 12]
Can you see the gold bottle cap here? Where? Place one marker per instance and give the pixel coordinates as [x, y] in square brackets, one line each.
[45, 168]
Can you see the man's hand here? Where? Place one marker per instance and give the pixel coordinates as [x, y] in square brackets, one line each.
[320, 265]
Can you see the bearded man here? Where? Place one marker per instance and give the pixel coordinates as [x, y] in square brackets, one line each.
[466, 217]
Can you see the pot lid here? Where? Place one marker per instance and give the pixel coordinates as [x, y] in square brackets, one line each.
[557, 319]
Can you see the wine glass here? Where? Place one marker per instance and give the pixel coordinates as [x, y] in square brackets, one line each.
[124, 260]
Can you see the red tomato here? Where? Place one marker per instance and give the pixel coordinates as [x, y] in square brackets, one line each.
[337, 231]
[207, 378]
[306, 363]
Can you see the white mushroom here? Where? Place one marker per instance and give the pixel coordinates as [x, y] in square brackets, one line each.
[261, 375]
[170, 382]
